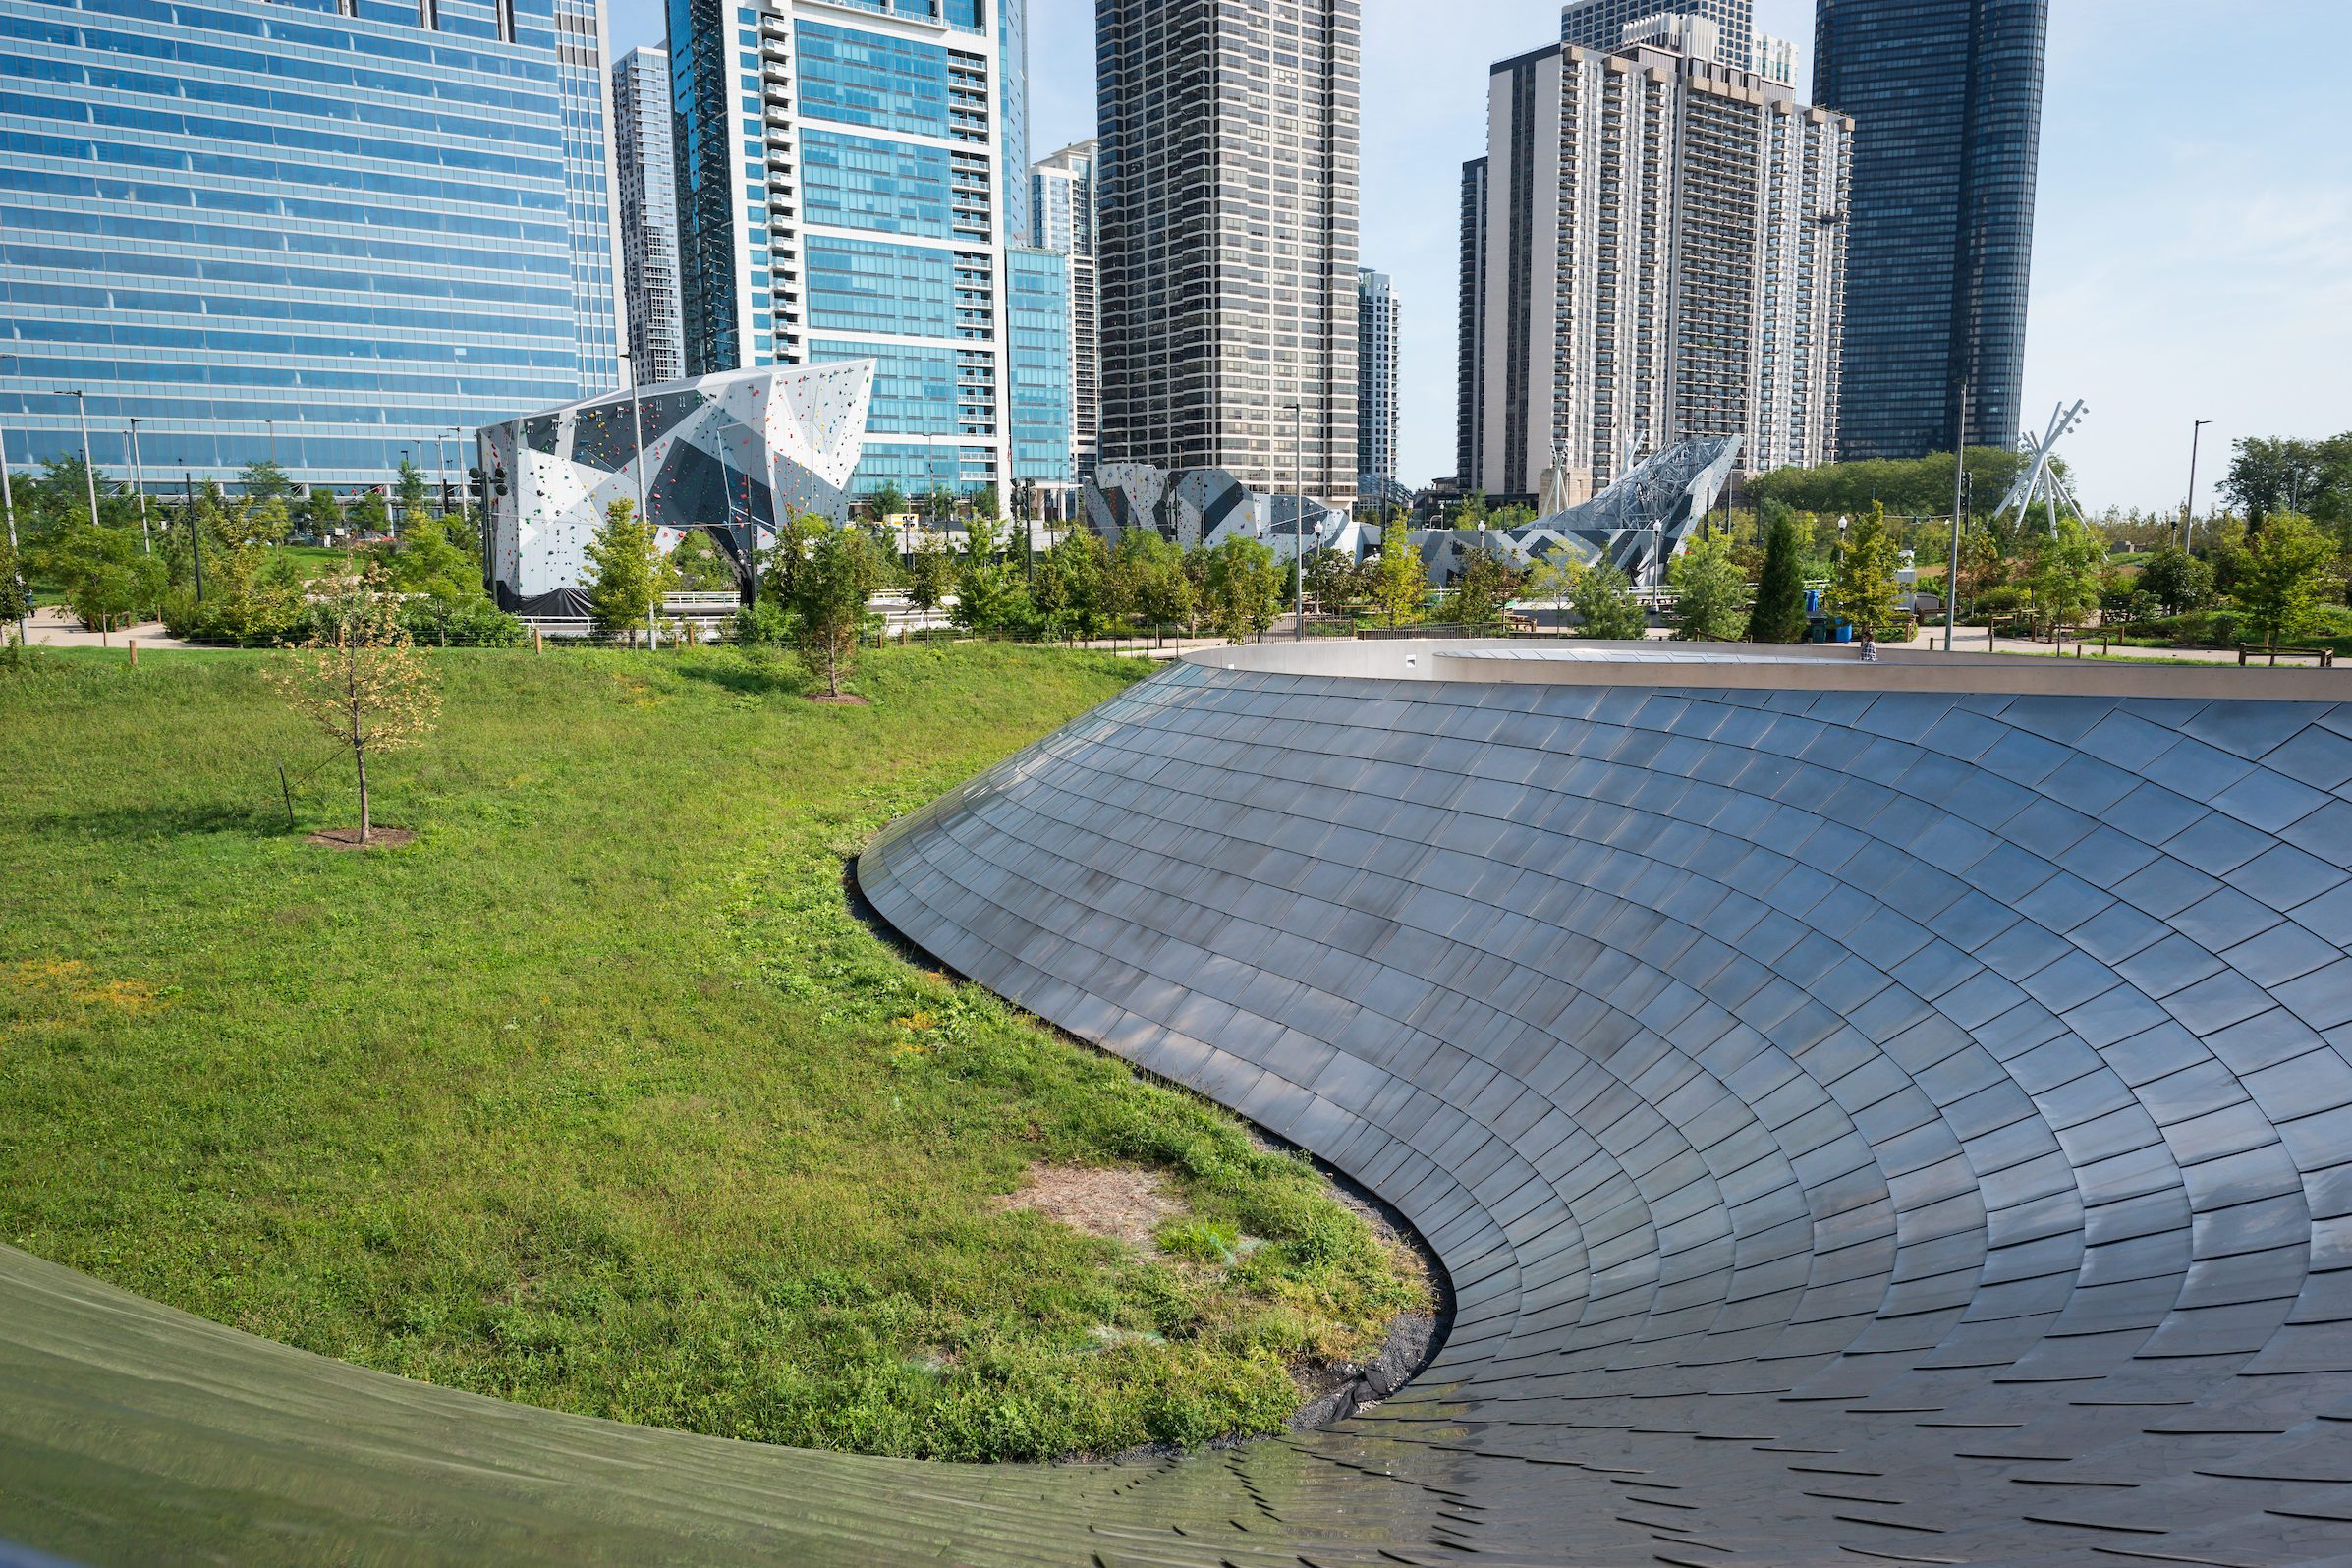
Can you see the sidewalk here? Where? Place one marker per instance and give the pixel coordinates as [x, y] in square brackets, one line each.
[52, 627]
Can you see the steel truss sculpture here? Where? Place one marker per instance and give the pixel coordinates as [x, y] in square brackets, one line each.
[727, 454]
[1884, 1113]
[1208, 507]
[2042, 481]
[1638, 525]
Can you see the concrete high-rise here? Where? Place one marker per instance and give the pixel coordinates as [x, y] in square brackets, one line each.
[1946, 96]
[325, 234]
[1663, 258]
[1377, 324]
[648, 211]
[1062, 218]
[852, 178]
[1228, 203]
[1470, 399]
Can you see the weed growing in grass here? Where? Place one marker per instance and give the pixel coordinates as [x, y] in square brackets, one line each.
[597, 1096]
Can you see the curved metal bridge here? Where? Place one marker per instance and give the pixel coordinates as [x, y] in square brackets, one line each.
[1893, 1113]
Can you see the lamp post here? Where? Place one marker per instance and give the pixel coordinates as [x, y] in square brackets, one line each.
[1298, 558]
[636, 424]
[139, 482]
[2188, 513]
[272, 426]
[1951, 582]
[90, 474]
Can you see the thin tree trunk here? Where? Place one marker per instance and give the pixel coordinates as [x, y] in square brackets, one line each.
[360, 755]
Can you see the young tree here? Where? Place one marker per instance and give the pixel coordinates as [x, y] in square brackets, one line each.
[2067, 568]
[264, 480]
[1606, 603]
[358, 679]
[106, 577]
[1244, 589]
[631, 574]
[701, 566]
[1780, 612]
[1554, 579]
[931, 572]
[2177, 581]
[369, 515]
[1334, 582]
[322, 513]
[886, 502]
[987, 599]
[1711, 592]
[1400, 583]
[1862, 590]
[1484, 590]
[1076, 589]
[1159, 586]
[16, 596]
[423, 560]
[829, 595]
[411, 489]
[985, 502]
[2278, 588]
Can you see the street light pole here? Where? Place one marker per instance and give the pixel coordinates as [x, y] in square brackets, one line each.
[1298, 558]
[7, 499]
[139, 482]
[272, 426]
[90, 474]
[2188, 514]
[1951, 582]
[637, 424]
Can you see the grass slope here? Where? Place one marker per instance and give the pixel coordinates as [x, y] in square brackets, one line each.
[597, 1098]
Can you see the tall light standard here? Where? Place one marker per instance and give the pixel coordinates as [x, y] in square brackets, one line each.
[8, 500]
[1298, 559]
[90, 474]
[2188, 514]
[637, 424]
[271, 426]
[139, 482]
[1951, 582]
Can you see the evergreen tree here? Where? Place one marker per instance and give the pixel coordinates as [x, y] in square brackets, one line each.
[1780, 612]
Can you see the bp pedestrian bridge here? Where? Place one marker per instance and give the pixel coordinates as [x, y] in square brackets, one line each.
[1893, 1113]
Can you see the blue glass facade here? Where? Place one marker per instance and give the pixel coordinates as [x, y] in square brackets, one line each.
[276, 231]
[1947, 100]
[846, 178]
[1041, 366]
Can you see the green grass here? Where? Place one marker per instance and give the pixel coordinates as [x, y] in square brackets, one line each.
[597, 1096]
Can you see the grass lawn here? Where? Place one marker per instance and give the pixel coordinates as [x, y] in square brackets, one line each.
[597, 1096]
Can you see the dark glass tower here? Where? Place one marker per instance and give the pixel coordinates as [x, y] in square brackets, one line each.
[1946, 99]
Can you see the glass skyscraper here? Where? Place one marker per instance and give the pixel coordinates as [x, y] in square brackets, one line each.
[324, 231]
[1946, 99]
[648, 181]
[1043, 386]
[852, 176]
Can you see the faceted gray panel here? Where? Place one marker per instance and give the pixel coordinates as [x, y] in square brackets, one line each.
[1858, 1126]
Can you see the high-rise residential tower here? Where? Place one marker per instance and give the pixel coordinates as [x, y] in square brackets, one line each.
[1470, 400]
[1522, 285]
[852, 179]
[648, 181]
[1228, 203]
[1947, 97]
[1663, 259]
[326, 232]
[1062, 218]
[1377, 324]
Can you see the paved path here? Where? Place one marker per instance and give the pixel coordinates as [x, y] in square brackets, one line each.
[53, 627]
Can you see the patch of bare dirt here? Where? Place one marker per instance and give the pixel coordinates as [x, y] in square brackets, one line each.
[1119, 1203]
[348, 838]
[845, 699]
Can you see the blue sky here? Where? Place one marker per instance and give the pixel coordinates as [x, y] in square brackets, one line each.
[2193, 254]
